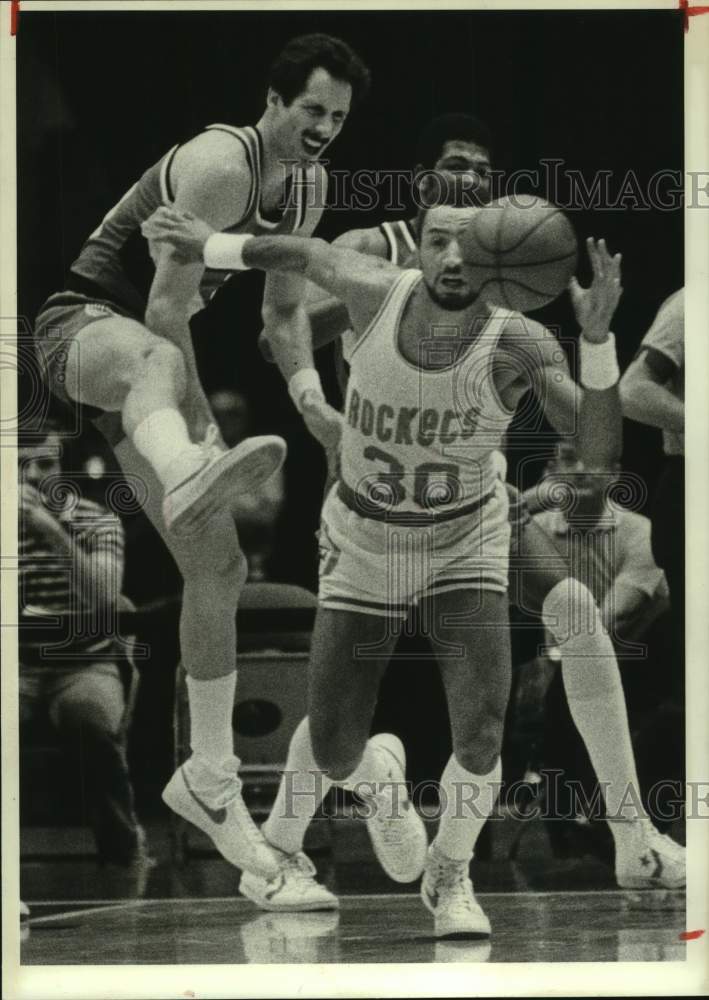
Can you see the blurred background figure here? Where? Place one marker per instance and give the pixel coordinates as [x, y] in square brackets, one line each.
[608, 547]
[652, 391]
[79, 675]
[256, 513]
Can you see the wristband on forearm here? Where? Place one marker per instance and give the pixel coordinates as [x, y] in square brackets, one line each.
[598, 364]
[223, 251]
[304, 380]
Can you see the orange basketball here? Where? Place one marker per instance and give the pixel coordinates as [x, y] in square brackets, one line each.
[522, 252]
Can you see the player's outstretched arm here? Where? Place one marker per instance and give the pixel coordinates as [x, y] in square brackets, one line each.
[328, 315]
[592, 410]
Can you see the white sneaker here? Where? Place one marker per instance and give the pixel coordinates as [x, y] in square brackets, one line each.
[293, 888]
[396, 830]
[446, 890]
[24, 911]
[650, 860]
[210, 798]
[216, 476]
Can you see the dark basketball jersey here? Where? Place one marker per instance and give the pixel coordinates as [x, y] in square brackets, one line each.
[116, 260]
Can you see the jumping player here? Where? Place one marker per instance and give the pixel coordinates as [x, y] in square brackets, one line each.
[418, 514]
[117, 343]
[450, 148]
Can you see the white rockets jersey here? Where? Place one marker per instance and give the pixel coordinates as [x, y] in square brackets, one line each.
[401, 246]
[414, 440]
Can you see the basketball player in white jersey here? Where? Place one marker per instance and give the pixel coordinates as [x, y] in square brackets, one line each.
[418, 514]
[116, 343]
[456, 146]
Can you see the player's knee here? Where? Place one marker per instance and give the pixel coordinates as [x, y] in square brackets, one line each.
[478, 750]
[162, 361]
[334, 754]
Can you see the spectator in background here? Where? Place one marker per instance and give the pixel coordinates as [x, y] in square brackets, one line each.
[71, 561]
[255, 513]
[652, 392]
[608, 548]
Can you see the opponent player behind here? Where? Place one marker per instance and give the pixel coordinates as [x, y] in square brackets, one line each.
[454, 159]
[418, 514]
[117, 342]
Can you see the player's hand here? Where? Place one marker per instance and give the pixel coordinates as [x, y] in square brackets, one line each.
[185, 233]
[594, 306]
[35, 515]
[322, 420]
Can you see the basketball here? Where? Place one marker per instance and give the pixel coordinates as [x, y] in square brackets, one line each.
[522, 252]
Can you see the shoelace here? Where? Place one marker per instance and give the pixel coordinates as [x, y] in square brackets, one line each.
[298, 867]
[454, 881]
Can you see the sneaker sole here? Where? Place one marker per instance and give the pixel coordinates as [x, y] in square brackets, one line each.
[179, 803]
[264, 904]
[239, 470]
[418, 861]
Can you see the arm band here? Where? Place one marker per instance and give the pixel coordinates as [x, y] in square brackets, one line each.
[222, 251]
[599, 364]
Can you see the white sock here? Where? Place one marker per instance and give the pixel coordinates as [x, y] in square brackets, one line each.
[163, 439]
[299, 794]
[211, 708]
[595, 695]
[466, 802]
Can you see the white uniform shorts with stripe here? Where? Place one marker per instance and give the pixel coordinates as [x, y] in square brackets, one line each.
[379, 568]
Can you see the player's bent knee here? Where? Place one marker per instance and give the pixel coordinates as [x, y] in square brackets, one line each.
[478, 751]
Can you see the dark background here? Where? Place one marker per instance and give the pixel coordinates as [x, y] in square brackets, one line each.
[101, 96]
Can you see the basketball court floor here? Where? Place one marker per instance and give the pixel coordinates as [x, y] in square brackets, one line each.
[542, 909]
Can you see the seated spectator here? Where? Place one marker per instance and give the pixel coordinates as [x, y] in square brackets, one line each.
[608, 548]
[71, 563]
[255, 513]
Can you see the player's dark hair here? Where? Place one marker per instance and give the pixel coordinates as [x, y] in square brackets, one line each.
[447, 128]
[290, 70]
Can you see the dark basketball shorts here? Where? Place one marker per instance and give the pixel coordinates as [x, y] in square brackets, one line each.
[62, 317]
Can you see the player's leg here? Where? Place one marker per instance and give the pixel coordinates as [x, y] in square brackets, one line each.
[206, 789]
[596, 699]
[470, 637]
[117, 365]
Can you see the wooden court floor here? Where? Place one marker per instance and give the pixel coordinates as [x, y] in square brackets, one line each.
[393, 927]
[542, 909]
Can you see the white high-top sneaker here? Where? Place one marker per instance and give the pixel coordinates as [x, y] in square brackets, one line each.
[446, 890]
[650, 860]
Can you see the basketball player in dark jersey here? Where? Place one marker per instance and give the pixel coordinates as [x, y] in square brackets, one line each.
[117, 343]
[449, 146]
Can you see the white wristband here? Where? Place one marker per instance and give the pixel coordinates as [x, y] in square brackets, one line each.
[599, 365]
[222, 251]
[301, 382]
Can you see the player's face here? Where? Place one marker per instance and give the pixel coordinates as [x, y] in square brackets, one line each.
[314, 118]
[444, 271]
[589, 489]
[462, 165]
